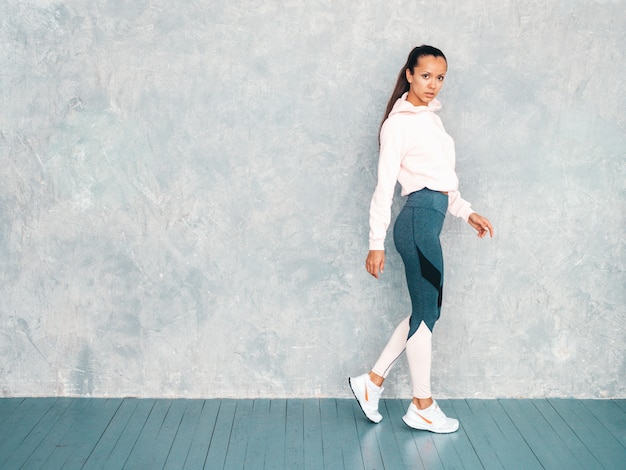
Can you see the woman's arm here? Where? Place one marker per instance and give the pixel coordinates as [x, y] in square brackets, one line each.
[389, 162]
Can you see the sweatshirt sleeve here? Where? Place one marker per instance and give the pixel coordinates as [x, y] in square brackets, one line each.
[388, 169]
[458, 206]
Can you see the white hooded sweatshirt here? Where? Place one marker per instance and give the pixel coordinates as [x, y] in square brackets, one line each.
[417, 152]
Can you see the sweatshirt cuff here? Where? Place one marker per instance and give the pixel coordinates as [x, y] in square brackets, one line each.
[378, 244]
[465, 213]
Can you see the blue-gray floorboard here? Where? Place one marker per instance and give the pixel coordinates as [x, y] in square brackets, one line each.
[91, 433]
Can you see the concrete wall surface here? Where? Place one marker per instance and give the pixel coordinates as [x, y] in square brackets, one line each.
[184, 195]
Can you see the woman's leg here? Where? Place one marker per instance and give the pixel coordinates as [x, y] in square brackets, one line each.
[416, 235]
[419, 355]
[392, 351]
[418, 347]
[367, 388]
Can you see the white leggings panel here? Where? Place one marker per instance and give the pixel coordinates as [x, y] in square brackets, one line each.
[418, 353]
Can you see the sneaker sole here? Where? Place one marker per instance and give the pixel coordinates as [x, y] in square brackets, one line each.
[359, 403]
[420, 427]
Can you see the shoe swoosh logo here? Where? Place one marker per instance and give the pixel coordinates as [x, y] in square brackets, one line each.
[427, 420]
[367, 398]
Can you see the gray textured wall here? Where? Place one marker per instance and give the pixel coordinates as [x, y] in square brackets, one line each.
[185, 185]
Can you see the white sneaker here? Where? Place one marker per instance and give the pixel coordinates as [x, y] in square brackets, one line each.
[431, 419]
[367, 395]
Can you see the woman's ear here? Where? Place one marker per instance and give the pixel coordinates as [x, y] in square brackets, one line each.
[409, 76]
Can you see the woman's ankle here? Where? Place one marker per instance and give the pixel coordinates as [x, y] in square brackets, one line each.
[376, 379]
[422, 403]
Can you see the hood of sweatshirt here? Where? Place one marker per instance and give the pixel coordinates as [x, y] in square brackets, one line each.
[403, 106]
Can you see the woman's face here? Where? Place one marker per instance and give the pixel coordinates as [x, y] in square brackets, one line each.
[426, 80]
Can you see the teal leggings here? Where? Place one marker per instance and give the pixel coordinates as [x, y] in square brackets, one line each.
[416, 236]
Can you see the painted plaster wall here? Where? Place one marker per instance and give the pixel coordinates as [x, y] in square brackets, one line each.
[185, 185]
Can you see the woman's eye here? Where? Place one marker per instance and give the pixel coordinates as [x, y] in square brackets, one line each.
[425, 75]
[440, 79]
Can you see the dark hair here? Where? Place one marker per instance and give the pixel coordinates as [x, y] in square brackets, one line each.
[402, 85]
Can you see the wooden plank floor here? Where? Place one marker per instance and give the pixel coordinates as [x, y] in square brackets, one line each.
[89, 433]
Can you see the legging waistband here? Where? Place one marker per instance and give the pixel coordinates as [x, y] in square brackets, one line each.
[428, 199]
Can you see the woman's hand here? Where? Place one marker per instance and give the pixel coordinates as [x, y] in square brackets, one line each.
[481, 224]
[375, 262]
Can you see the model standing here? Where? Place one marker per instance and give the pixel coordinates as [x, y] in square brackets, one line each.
[415, 151]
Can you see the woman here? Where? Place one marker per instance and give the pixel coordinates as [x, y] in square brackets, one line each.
[415, 151]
